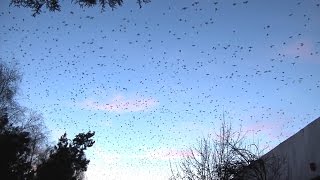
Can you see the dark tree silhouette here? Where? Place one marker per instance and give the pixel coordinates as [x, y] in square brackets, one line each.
[54, 5]
[22, 154]
[14, 152]
[22, 118]
[66, 161]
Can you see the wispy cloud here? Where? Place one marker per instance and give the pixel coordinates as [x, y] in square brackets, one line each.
[121, 104]
[167, 154]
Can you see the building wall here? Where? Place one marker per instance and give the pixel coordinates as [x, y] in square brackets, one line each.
[298, 156]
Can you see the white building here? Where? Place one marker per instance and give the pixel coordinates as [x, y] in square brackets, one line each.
[299, 155]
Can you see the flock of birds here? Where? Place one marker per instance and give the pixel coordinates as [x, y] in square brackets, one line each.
[168, 75]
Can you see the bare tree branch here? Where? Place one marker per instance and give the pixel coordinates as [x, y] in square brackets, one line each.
[226, 157]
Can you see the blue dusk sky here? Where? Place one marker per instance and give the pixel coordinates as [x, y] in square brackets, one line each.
[151, 81]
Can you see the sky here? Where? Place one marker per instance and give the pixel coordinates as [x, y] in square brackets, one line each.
[152, 81]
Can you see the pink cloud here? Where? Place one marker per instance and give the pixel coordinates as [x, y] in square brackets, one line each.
[303, 49]
[121, 104]
[260, 126]
[269, 133]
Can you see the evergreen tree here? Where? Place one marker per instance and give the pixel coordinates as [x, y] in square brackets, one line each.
[66, 161]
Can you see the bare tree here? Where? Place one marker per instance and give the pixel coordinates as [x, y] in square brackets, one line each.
[275, 165]
[33, 122]
[228, 156]
[9, 81]
[198, 164]
[20, 117]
